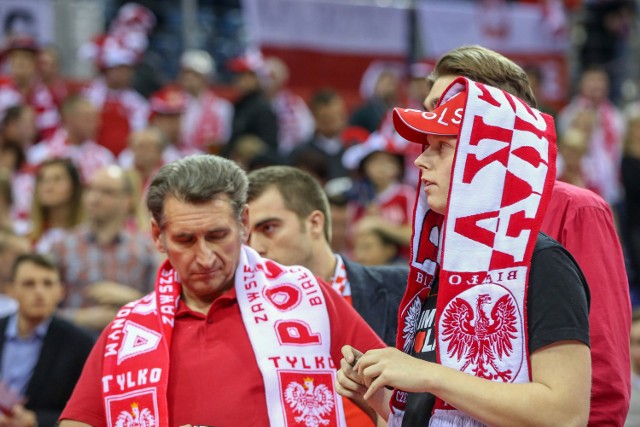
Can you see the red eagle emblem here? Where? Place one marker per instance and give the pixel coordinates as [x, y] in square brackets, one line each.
[478, 338]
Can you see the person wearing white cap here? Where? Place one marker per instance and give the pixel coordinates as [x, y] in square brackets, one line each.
[206, 122]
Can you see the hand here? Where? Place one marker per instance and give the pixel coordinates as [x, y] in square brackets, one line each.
[20, 417]
[107, 292]
[349, 383]
[368, 223]
[393, 368]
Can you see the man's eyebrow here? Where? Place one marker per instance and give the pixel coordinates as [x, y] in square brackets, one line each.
[266, 220]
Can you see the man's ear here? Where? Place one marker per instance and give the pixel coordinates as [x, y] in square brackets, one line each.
[245, 225]
[316, 221]
[156, 234]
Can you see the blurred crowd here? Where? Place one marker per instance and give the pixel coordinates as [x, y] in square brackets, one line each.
[56, 134]
[76, 157]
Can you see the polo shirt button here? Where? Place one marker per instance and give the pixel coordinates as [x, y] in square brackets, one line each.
[210, 321]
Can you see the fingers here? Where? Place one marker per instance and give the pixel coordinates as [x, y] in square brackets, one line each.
[347, 387]
[350, 354]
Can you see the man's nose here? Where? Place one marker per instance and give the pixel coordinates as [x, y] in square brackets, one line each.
[205, 254]
[423, 160]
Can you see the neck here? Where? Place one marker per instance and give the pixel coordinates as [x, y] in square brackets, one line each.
[106, 232]
[27, 326]
[324, 261]
[24, 85]
[59, 216]
[196, 92]
[73, 138]
[200, 304]
[381, 187]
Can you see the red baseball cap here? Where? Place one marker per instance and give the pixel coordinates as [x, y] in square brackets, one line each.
[168, 100]
[415, 125]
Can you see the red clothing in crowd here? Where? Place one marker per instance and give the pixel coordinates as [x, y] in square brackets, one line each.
[39, 98]
[206, 121]
[88, 157]
[122, 112]
[582, 222]
[214, 378]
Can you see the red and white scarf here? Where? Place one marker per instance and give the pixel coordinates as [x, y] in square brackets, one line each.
[284, 312]
[480, 250]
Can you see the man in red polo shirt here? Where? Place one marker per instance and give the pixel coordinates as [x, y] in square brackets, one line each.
[228, 338]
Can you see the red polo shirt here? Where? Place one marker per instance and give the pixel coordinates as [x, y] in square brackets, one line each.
[214, 378]
[582, 222]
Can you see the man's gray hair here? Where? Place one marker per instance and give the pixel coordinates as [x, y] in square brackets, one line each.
[195, 180]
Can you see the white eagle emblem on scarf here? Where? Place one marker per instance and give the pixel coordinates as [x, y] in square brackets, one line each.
[478, 338]
[312, 403]
[137, 417]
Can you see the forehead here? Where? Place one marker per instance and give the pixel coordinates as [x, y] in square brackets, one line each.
[437, 89]
[27, 270]
[107, 178]
[267, 203]
[52, 169]
[184, 217]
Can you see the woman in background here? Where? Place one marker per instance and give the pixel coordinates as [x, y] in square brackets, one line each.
[57, 203]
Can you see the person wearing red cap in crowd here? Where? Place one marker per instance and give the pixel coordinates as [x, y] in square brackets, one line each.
[206, 122]
[167, 107]
[75, 140]
[123, 110]
[23, 84]
[493, 328]
[253, 113]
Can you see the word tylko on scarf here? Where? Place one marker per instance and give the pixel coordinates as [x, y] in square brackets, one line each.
[480, 250]
[284, 312]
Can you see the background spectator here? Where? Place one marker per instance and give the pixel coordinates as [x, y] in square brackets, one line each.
[326, 144]
[253, 113]
[631, 213]
[57, 203]
[295, 122]
[75, 140]
[602, 161]
[103, 265]
[206, 122]
[24, 86]
[42, 356]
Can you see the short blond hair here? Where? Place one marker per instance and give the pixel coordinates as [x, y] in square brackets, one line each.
[485, 66]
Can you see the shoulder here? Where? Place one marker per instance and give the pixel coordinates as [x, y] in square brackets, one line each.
[387, 276]
[566, 196]
[547, 249]
[66, 330]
